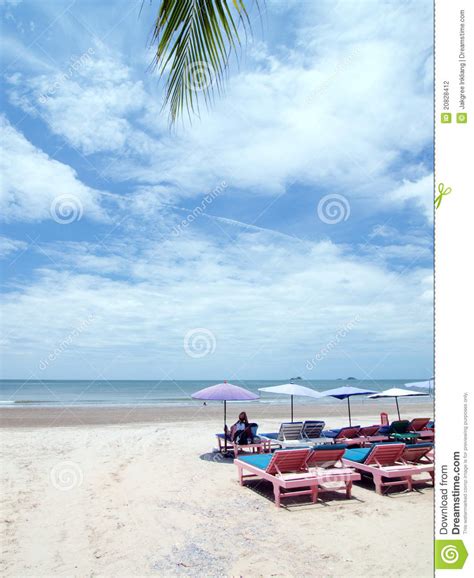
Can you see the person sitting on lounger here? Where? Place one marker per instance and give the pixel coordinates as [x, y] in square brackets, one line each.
[241, 431]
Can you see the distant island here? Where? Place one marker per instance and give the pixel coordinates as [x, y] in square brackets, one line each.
[294, 378]
[351, 378]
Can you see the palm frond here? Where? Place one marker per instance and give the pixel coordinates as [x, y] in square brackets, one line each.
[194, 40]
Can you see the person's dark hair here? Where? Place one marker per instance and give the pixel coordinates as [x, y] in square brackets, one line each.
[243, 417]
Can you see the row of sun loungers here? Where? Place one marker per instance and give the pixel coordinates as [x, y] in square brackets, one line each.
[312, 432]
[310, 457]
[291, 434]
[307, 471]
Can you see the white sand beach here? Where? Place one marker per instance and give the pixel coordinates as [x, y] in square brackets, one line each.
[151, 499]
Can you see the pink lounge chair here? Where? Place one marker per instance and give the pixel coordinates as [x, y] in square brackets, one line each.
[427, 435]
[345, 435]
[369, 430]
[421, 453]
[386, 464]
[419, 425]
[327, 457]
[262, 446]
[370, 435]
[326, 463]
[295, 472]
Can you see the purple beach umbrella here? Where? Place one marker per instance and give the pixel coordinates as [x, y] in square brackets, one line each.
[225, 392]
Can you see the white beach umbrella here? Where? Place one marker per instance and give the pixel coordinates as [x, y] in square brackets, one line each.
[292, 389]
[428, 384]
[396, 392]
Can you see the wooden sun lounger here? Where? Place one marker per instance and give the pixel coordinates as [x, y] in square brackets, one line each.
[418, 424]
[421, 453]
[290, 435]
[385, 463]
[299, 434]
[368, 435]
[291, 431]
[312, 429]
[426, 435]
[295, 473]
[347, 435]
[263, 446]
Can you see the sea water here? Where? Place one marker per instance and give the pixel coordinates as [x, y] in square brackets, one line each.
[155, 392]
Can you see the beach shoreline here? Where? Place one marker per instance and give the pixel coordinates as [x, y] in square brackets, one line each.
[364, 413]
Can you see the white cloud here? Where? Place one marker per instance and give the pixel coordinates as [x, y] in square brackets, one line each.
[269, 301]
[32, 181]
[307, 116]
[401, 249]
[87, 102]
[324, 113]
[418, 194]
[9, 246]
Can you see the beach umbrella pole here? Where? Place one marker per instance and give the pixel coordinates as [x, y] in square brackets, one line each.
[291, 409]
[349, 409]
[225, 423]
[398, 409]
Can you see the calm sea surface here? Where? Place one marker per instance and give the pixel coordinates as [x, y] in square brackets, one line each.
[112, 393]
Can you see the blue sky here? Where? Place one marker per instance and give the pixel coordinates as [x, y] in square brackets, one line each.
[330, 102]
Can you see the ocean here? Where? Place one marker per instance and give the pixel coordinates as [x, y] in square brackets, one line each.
[17, 392]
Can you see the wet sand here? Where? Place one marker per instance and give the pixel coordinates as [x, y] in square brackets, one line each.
[366, 412]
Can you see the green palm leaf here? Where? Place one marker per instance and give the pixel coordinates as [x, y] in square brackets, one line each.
[194, 40]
